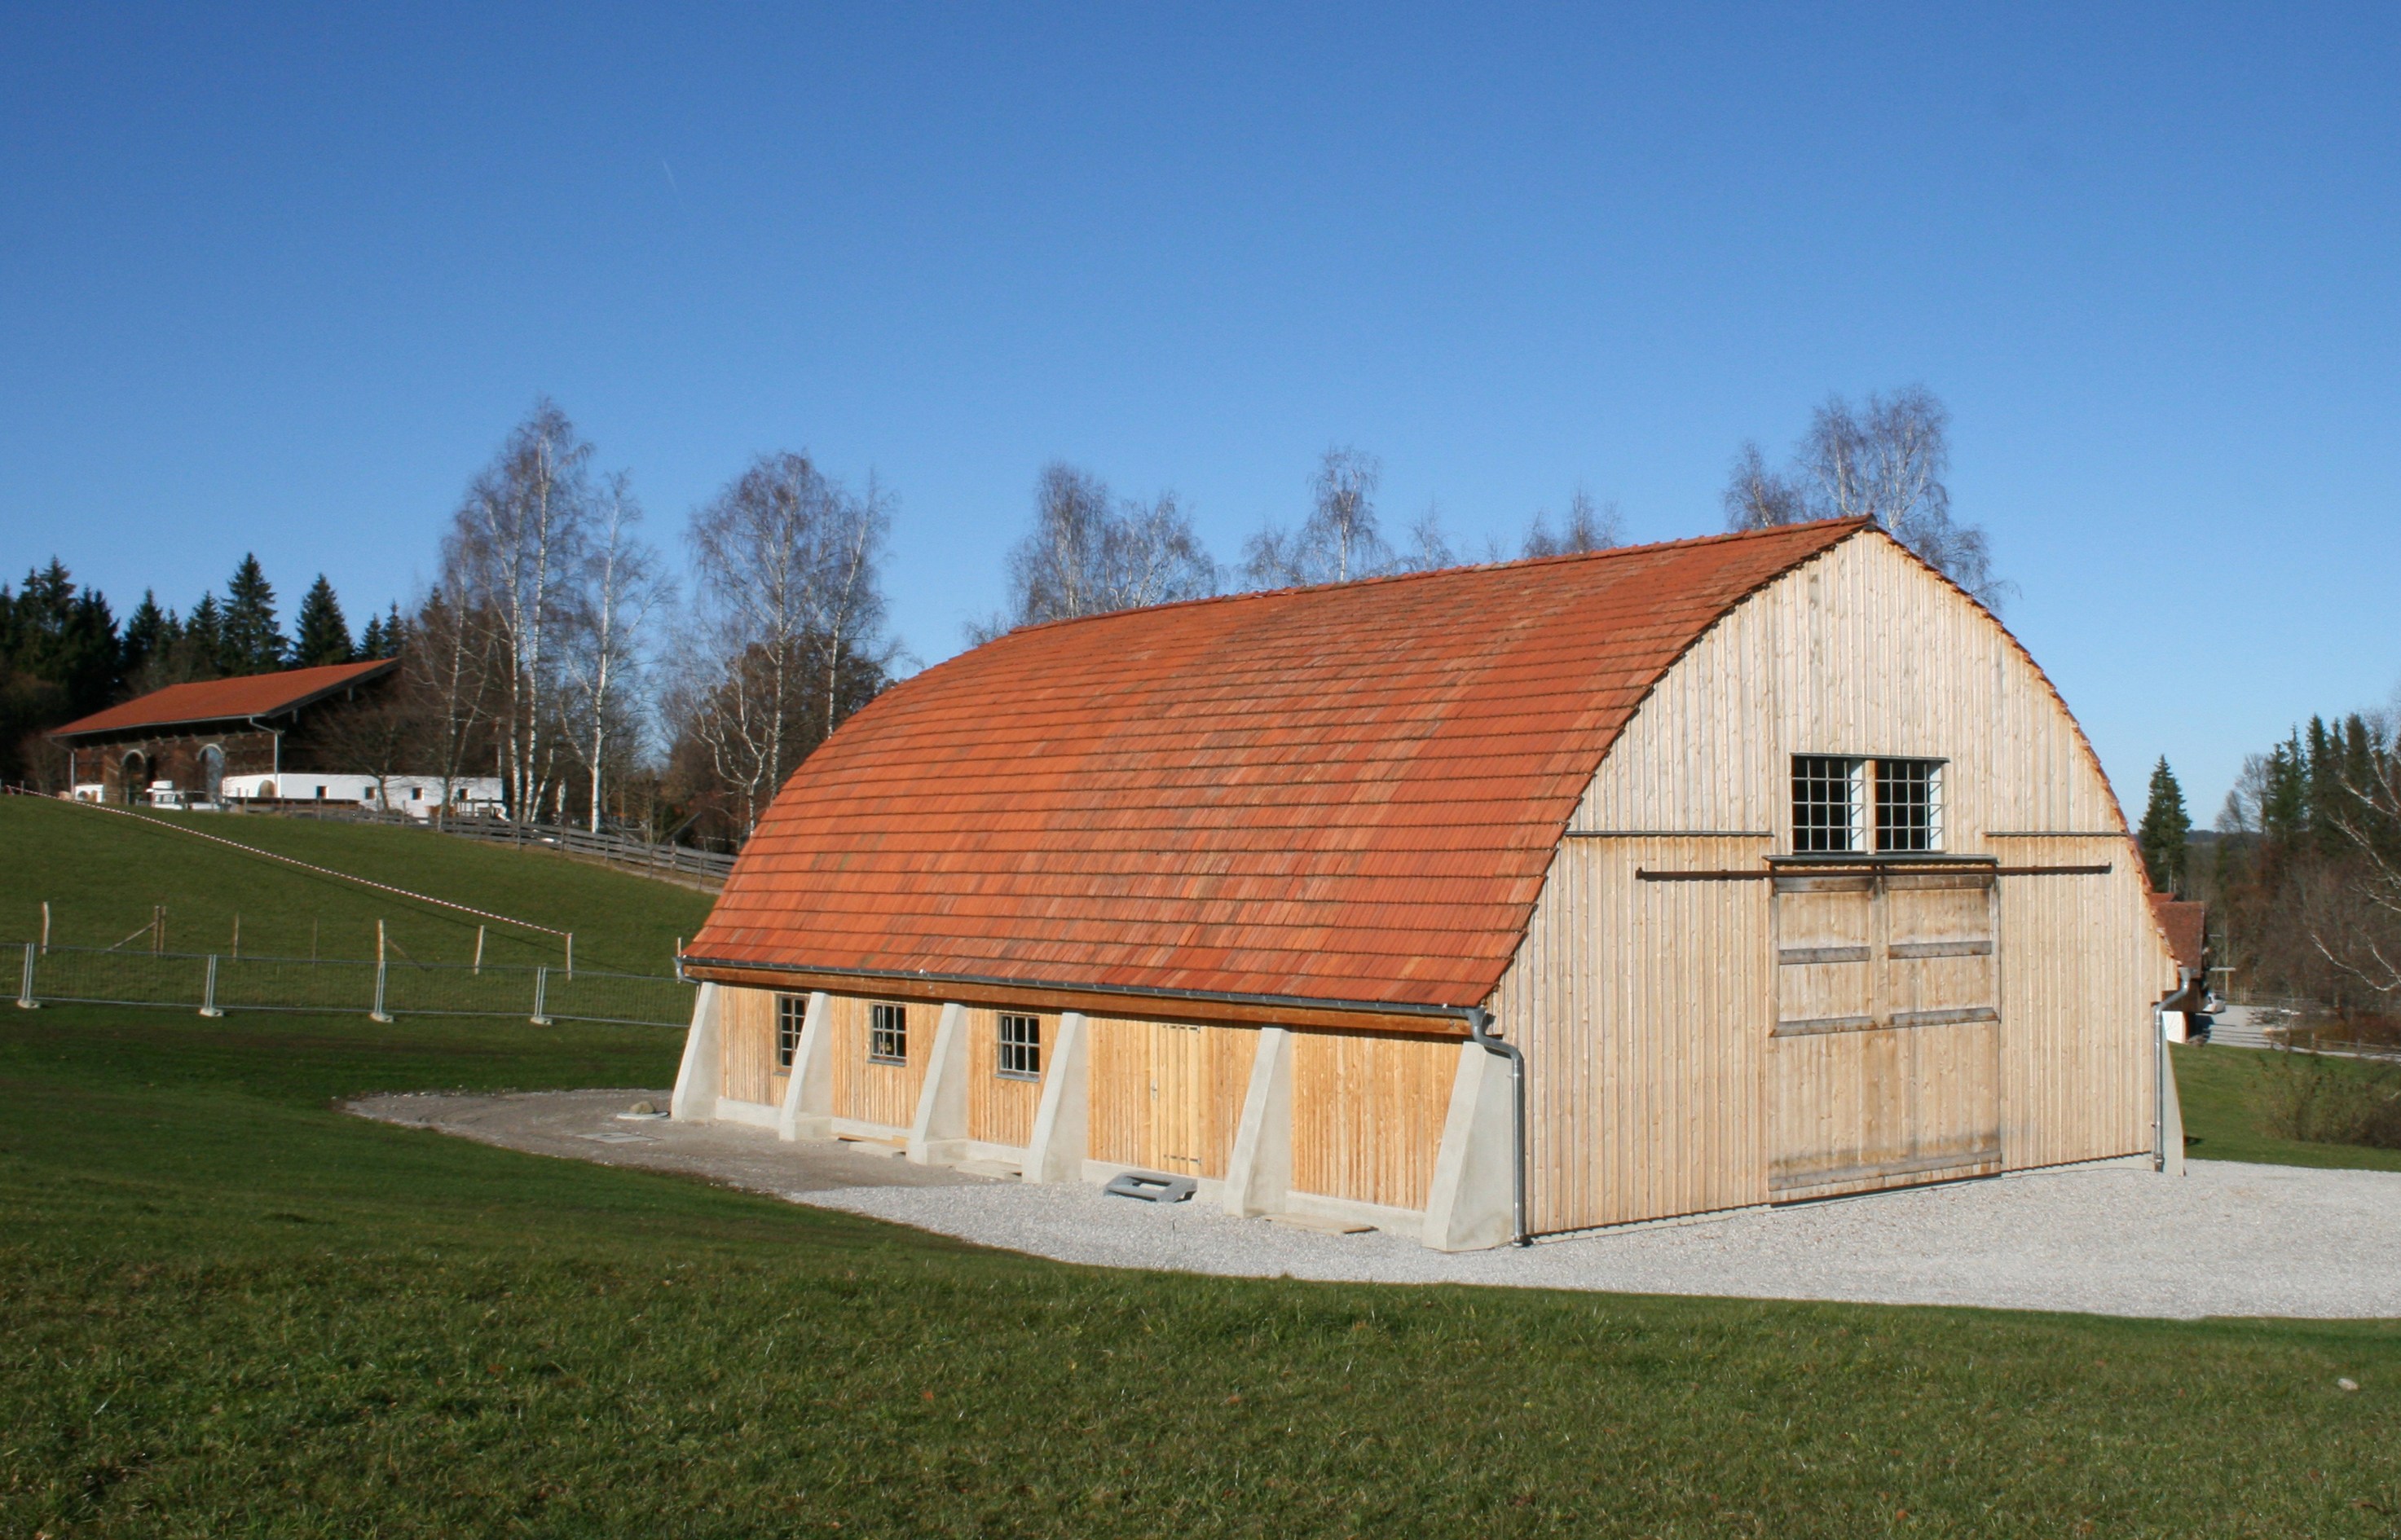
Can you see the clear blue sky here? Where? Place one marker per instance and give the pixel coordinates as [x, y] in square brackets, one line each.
[282, 280]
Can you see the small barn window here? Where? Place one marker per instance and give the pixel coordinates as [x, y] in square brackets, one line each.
[791, 1010]
[1829, 803]
[888, 1035]
[1021, 1047]
[1909, 804]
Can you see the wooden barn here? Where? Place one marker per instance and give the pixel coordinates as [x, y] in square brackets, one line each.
[1475, 904]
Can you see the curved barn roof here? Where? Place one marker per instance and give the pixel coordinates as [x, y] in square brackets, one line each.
[1341, 793]
[241, 697]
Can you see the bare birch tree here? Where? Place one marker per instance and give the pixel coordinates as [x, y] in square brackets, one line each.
[603, 654]
[1090, 553]
[446, 665]
[514, 552]
[789, 611]
[1885, 461]
[1588, 527]
[1340, 541]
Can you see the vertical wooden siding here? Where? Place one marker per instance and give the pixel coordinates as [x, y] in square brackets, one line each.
[746, 1030]
[1644, 1009]
[1167, 1098]
[1000, 1109]
[883, 1094]
[1367, 1115]
[2070, 1088]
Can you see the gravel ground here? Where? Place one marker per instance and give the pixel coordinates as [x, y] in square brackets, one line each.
[2226, 1239]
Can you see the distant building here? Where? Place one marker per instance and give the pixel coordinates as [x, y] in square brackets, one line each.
[417, 795]
[183, 742]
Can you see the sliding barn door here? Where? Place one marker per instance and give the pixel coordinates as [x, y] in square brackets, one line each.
[1884, 1066]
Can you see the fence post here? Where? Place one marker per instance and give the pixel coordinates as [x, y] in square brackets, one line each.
[209, 990]
[25, 1001]
[540, 990]
[378, 1014]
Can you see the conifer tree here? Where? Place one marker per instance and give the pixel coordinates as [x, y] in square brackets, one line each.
[2164, 829]
[254, 643]
[202, 652]
[149, 631]
[321, 634]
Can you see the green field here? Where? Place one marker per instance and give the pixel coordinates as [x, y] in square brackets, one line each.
[2215, 1086]
[102, 873]
[232, 1308]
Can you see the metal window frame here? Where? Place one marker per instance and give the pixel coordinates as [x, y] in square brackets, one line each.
[1029, 1049]
[887, 1023]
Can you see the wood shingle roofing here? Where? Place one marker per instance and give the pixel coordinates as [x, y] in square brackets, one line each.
[1341, 793]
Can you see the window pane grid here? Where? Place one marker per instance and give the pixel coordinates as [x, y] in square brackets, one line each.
[1826, 802]
[888, 1035]
[1021, 1047]
[1909, 805]
[791, 1010]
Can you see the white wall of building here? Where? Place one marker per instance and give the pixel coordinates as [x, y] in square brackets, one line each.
[417, 795]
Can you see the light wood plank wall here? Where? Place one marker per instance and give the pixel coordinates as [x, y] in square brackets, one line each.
[746, 1029]
[1644, 1008]
[1165, 1096]
[1001, 1109]
[1367, 1115]
[883, 1094]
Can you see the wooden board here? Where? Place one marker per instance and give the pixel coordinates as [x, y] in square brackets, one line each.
[746, 1031]
[1367, 1115]
[869, 1092]
[1167, 1096]
[1885, 1070]
[1001, 1108]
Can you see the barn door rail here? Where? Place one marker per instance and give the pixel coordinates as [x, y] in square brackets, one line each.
[1764, 874]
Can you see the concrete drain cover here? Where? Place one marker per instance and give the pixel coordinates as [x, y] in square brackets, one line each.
[1150, 1187]
[618, 1139]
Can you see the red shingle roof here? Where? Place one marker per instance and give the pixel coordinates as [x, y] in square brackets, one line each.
[223, 700]
[2184, 925]
[1349, 793]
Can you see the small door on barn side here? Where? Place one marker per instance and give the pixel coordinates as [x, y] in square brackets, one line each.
[1884, 1066]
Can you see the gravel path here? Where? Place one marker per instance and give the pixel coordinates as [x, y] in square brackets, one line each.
[2227, 1239]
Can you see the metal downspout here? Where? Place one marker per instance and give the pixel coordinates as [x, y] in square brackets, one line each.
[2187, 997]
[1479, 1031]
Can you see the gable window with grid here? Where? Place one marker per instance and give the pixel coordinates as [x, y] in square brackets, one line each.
[1847, 804]
[1021, 1047]
[888, 1035]
[791, 1014]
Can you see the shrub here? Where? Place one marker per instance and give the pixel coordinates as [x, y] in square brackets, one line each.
[2328, 1101]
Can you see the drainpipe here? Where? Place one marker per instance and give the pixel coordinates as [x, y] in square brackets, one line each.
[275, 737]
[2187, 997]
[1480, 1032]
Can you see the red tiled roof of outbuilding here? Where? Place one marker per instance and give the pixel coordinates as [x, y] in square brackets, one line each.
[2184, 925]
[1349, 793]
[225, 699]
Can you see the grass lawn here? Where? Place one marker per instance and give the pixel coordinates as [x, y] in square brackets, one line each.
[232, 1309]
[103, 872]
[2214, 1084]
